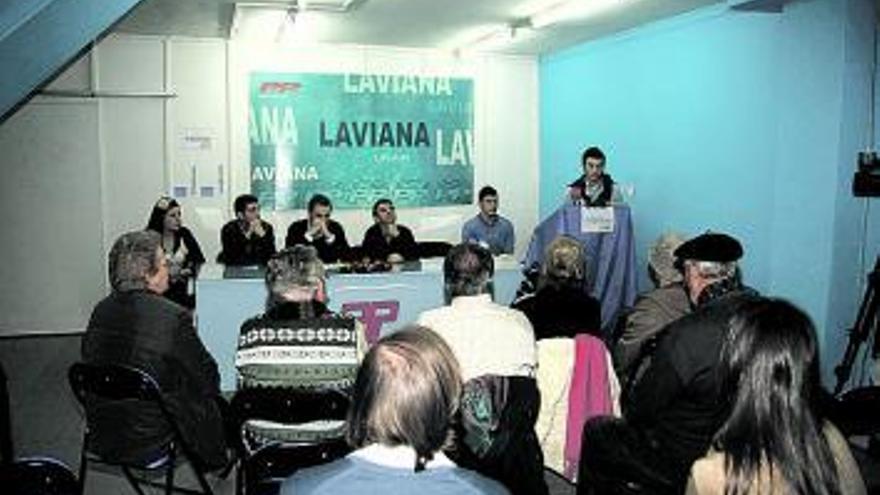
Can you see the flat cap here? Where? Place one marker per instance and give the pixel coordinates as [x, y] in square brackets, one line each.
[710, 246]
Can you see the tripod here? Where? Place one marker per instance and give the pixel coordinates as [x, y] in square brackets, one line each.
[866, 325]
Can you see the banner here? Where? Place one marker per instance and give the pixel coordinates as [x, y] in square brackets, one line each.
[360, 137]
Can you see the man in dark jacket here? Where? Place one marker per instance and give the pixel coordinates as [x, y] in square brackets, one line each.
[675, 407]
[136, 326]
[247, 239]
[326, 235]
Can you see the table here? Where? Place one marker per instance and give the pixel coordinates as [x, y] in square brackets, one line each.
[611, 257]
[384, 302]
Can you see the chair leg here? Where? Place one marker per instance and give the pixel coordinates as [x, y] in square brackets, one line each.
[132, 481]
[83, 468]
[206, 488]
[169, 473]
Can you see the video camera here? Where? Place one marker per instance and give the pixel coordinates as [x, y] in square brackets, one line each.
[866, 182]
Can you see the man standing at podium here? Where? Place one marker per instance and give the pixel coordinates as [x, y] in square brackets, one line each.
[595, 187]
[488, 228]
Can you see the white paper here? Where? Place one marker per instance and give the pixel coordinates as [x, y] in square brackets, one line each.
[597, 220]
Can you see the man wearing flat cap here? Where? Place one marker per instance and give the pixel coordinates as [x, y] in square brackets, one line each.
[674, 408]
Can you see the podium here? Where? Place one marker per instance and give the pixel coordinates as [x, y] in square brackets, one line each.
[611, 257]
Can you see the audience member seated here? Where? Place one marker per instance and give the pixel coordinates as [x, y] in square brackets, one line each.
[594, 187]
[405, 397]
[775, 440]
[298, 344]
[488, 228]
[136, 326]
[656, 308]
[318, 230]
[486, 338]
[181, 250]
[673, 409]
[247, 240]
[561, 306]
[386, 240]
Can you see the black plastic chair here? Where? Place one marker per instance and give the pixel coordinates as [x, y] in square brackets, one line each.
[6, 454]
[38, 476]
[123, 383]
[263, 463]
[433, 249]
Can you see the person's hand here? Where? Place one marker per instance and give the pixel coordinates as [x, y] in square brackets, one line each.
[391, 231]
[325, 230]
[317, 229]
[395, 258]
[575, 193]
[256, 227]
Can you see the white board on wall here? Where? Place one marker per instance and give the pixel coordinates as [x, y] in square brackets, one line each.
[51, 267]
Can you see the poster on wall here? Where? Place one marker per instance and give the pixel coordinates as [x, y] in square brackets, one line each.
[360, 137]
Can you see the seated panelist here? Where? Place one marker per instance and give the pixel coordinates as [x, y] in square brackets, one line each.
[247, 240]
[488, 228]
[318, 230]
[386, 240]
[182, 250]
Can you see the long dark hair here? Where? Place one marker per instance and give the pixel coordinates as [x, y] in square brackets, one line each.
[770, 375]
[157, 215]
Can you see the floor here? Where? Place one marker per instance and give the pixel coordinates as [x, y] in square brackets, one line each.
[46, 419]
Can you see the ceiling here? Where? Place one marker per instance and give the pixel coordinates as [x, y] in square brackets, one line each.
[410, 23]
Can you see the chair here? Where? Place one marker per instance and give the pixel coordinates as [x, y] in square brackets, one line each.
[577, 382]
[275, 441]
[38, 476]
[5, 423]
[433, 249]
[496, 433]
[113, 382]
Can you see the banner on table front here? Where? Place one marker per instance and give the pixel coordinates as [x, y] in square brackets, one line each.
[358, 137]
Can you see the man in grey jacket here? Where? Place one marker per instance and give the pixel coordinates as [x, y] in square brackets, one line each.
[136, 326]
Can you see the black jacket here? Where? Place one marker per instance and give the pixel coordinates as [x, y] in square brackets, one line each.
[677, 401]
[563, 312]
[239, 250]
[604, 197]
[377, 249]
[329, 253]
[149, 332]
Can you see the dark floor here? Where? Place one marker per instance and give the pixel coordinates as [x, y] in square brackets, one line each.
[46, 418]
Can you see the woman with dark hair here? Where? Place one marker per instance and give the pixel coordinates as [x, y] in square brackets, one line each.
[181, 250]
[405, 397]
[775, 440]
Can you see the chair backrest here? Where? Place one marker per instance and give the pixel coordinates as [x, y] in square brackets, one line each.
[115, 382]
[577, 382]
[38, 476]
[112, 381]
[269, 466]
[289, 405]
[433, 249]
[496, 434]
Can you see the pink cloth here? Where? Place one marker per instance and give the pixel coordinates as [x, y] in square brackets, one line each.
[589, 395]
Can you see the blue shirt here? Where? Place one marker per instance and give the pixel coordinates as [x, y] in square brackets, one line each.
[351, 475]
[498, 235]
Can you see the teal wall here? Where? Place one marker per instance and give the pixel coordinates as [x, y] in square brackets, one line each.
[744, 122]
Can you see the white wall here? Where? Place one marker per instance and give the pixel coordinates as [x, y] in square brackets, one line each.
[126, 150]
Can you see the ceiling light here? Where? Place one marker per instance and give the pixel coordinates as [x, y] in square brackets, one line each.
[572, 9]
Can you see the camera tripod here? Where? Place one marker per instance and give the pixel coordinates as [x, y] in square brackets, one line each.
[865, 326]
